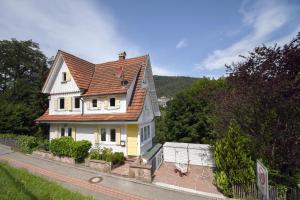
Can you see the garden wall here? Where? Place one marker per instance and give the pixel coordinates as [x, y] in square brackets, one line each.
[50, 156]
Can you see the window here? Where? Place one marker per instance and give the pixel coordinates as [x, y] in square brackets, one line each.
[62, 132]
[112, 135]
[62, 103]
[103, 134]
[77, 102]
[64, 76]
[112, 102]
[94, 103]
[70, 132]
[145, 133]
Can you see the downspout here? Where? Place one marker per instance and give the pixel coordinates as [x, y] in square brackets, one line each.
[82, 107]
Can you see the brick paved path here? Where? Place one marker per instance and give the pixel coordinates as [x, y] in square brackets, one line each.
[74, 181]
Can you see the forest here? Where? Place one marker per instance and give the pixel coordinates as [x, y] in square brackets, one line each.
[251, 113]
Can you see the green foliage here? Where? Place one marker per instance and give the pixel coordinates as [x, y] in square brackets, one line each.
[20, 184]
[23, 69]
[107, 155]
[189, 116]
[170, 85]
[233, 161]
[62, 146]
[8, 135]
[222, 181]
[43, 144]
[26, 143]
[66, 146]
[80, 149]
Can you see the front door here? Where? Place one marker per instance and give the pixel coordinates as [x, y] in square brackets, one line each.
[132, 140]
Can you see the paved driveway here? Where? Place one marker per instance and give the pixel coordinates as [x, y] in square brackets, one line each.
[76, 178]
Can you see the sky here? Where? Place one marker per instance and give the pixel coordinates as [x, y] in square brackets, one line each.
[183, 38]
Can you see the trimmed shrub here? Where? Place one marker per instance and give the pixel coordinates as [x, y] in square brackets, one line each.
[80, 149]
[62, 146]
[118, 158]
[107, 155]
[26, 143]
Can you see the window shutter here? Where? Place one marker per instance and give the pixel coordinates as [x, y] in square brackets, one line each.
[68, 76]
[55, 104]
[98, 104]
[74, 133]
[57, 132]
[88, 102]
[118, 103]
[105, 104]
[96, 131]
[68, 103]
[118, 136]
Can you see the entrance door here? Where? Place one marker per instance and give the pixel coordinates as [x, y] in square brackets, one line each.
[132, 140]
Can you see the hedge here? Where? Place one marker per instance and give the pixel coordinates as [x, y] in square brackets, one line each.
[66, 146]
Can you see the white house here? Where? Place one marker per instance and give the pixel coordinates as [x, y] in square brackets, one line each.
[112, 104]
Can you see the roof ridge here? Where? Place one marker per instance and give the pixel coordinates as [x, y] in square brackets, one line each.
[122, 60]
[75, 56]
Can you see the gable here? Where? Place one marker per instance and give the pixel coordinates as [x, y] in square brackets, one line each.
[148, 82]
[60, 86]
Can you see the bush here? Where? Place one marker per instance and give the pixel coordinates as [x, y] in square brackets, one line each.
[80, 149]
[66, 146]
[107, 155]
[8, 135]
[43, 144]
[62, 146]
[233, 161]
[118, 158]
[26, 143]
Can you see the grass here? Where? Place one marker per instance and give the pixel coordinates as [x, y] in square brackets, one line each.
[20, 184]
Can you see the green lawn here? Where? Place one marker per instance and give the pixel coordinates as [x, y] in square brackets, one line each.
[20, 184]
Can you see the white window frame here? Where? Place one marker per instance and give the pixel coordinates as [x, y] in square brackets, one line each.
[64, 77]
[107, 135]
[92, 105]
[145, 134]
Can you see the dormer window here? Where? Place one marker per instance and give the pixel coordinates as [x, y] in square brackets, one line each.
[112, 102]
[64, 76]
[94, 103]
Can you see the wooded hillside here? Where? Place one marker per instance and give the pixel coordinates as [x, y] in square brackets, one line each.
[169, 85]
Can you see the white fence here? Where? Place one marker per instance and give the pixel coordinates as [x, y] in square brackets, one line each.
[197, 154]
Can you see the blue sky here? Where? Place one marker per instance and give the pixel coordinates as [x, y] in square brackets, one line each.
[191, 38]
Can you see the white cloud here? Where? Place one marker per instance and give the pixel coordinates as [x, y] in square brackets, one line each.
[78, 27]
[264, 18]
[159, 70]
[182, 43]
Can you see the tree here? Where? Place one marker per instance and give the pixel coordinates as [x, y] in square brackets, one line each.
[265, 102]
[233, 161]
[23, 69]
[188, 117]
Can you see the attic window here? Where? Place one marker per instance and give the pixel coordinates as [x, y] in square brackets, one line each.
[64, 76]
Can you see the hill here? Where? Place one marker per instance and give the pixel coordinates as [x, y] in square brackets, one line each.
[169, 85]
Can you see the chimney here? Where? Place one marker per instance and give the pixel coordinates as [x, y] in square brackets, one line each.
[122, 55]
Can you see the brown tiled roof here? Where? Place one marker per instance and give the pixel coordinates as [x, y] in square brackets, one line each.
[104, 81]
[82, 71]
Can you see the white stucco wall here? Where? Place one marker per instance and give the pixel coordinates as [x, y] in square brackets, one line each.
[101, 99]
[86, 132]
[63, 87]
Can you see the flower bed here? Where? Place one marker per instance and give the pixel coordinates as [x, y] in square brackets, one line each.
[104, 159]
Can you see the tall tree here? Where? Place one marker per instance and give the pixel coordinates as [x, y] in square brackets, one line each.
[23, 69]
[265, 101]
